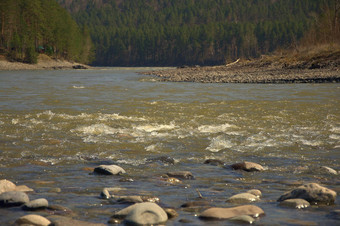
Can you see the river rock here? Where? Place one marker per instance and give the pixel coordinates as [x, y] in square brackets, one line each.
[6, 185]
[171, 213]
[255, 192]
[181, 175]
[295, 203]
[129, 199]
[32, 219]
[312, 192]
[36, 204]
[66, 221]
[243, 198]
[105, 194]
[214, 162]
[13, 198]
[195, 204]
[23, 188]
[328, 170]
[109, 170]
[146, 214]
[247, 166]
[243, 219]
[227, 213]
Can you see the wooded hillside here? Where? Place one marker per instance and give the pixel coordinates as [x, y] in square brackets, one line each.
[204, 32]
[29, 27]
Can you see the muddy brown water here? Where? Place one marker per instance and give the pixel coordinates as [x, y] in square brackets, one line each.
[57, 125]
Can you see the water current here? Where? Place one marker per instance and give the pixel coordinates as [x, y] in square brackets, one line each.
[55, 126]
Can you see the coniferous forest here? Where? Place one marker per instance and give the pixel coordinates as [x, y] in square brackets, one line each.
[162, 32]
[30, 27]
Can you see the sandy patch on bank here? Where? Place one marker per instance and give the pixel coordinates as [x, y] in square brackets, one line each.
[44, 62]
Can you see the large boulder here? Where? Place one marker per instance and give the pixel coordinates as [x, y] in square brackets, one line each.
[109, 170]
[146, 214]
[247, 166]
[13, 198]
[141, 214]
[312, 192]
[227, 213]
[36, 204]
[6, 185]
[32, 219]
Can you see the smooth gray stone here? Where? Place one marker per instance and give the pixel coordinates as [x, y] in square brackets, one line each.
[13, 198]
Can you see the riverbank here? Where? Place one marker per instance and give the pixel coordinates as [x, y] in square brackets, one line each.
[302, 67]
[44, 63]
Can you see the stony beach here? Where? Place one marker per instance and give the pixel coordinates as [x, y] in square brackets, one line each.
[313, 68]
[150, 210]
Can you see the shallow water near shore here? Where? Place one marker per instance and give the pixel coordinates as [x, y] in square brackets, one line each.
[57, 125]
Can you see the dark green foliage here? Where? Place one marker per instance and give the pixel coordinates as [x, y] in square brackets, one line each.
[176, 32]
[32, 26]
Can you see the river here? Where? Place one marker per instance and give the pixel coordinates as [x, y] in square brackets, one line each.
[58, 125]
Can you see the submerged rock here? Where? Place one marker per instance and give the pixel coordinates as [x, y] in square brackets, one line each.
[295, 203]
[247, 166]
[328, 170]
[32, 219]
[36, 204]
[181, 175]
[13, 198]
[65, 221]
[109, 170]
[312, 192]
[195, 204]
[227, 213]
[243, 198]
[214, 162]
[255, 192]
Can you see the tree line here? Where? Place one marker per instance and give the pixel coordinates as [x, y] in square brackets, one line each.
[30, 27]
[204, 32]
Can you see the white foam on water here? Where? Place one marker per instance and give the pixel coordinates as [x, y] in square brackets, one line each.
[15, 121]
[215, 128]
[154, 147]
[107, 117]
[219, 143]
[96, 129]
[335, 137]
[1, 123]
[155, 127]
[78, 87]
[335, 129]
[311, 143]
[36, 122]
[133, 162]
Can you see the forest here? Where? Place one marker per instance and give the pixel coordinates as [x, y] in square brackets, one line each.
[162, 32]
[193, 32]
[30, 27]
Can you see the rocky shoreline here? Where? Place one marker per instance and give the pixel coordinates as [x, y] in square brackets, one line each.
[44, 63]
[308, 68]
[141, 209]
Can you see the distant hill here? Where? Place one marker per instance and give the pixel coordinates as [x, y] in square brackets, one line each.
[30, 27]
[189, 32]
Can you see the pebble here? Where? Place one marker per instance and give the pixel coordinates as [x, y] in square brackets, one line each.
[32, 219]
[146, 214]
[13, 198]
[36, 204]
[6, 185]
[243, 198]
[181, 175]
[227, 213]
[109, 170]
[295, 203]
[247, 166]
[312, 192]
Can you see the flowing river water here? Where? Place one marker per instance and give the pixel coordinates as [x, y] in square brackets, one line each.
[55, 126]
